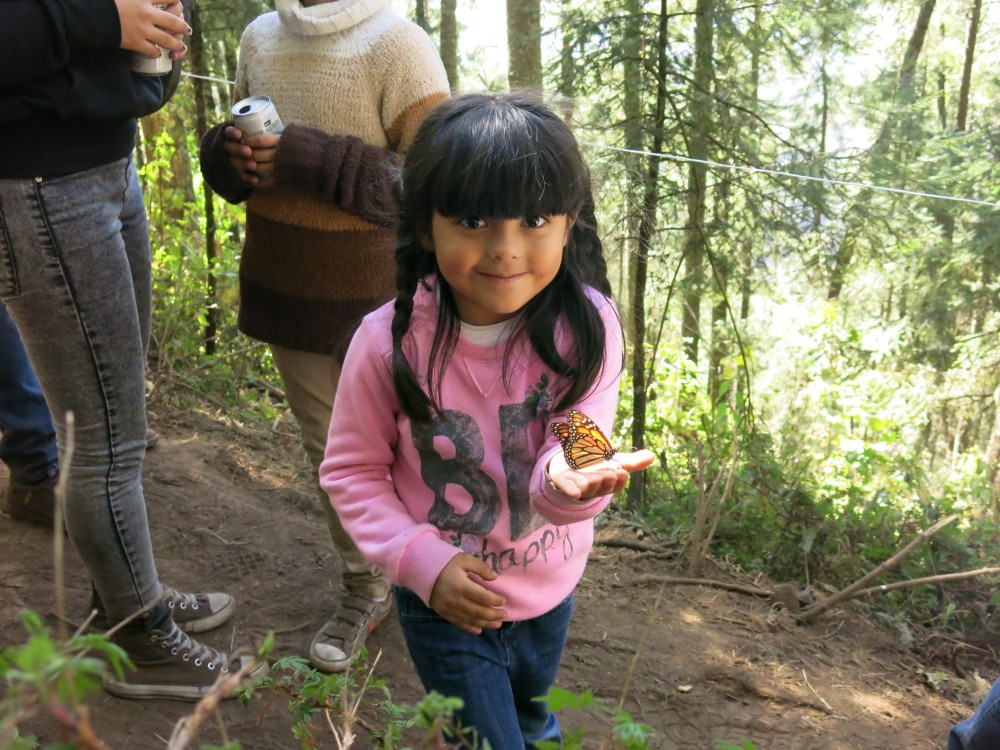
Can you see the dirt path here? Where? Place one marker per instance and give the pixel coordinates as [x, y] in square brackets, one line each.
[232, 510]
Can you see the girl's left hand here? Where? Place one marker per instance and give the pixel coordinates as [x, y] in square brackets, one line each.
[605, 478]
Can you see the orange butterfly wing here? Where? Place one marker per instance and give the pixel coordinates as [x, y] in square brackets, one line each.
[582, 441]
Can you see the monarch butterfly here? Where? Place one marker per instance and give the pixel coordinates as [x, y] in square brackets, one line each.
[583, 443]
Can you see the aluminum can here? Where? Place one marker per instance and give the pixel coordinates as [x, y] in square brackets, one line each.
[256, 115]
[152, 66]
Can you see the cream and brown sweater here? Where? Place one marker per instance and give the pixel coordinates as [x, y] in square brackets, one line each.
[351, 80]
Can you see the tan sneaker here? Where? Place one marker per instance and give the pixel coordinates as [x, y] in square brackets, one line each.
[334, 647]
[171, 664]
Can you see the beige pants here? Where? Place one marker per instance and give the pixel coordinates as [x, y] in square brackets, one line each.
[310, 382]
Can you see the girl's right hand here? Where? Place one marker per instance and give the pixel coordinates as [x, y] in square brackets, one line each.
[462, 601]
[605, 478]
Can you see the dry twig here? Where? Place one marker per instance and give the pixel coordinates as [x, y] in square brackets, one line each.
[187, 726]
[943, 578]
[710, 506]
[673, 580]
[805, 677]
[635, 544]
[811, 613]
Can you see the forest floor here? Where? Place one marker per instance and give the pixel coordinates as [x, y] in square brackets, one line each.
[231, 508]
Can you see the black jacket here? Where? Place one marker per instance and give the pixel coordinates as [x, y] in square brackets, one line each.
[68, 98]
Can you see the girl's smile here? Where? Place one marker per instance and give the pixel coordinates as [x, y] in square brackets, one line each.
[496, 266]
[501, 278]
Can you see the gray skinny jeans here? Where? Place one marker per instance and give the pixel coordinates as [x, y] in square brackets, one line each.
[75, 277]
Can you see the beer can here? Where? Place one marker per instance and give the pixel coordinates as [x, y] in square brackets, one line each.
[256, 115]
[152, 66]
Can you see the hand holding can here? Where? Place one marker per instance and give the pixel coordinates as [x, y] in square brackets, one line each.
[251, 156]
[258, 120]
[256, 115]
[152, 66]
[152, 28]
[263, 160]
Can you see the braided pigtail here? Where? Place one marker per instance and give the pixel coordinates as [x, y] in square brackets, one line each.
[413, 263]
[591, 266]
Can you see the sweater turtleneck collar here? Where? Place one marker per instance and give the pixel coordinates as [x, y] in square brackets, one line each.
[326, 18]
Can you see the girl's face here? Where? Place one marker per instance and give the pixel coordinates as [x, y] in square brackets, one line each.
[496, 266]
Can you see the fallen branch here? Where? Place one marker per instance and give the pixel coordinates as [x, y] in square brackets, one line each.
[672, 580]
[187, 726]
[811, 613]
[943, 578]
[635, 544]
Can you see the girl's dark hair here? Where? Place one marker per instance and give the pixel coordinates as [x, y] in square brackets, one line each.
[500, 156]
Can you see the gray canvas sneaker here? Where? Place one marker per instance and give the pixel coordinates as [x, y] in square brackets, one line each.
[196, 613]
[171, 664]
[193, 613]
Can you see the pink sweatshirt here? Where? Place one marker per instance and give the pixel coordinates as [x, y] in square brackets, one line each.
[414, 495]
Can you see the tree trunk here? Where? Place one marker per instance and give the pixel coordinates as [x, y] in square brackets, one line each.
[970, 50]
[824, 126]
[647, 223]
[524, 43]
[993, 451]
[747, 245]
[942, 99]
[903, 95]
[567, 65]
[420, 15]
[695, 242]
[903, 98]
[449, 42]
[197, 59]
[720, 341]
[632, 83]
[719, 344]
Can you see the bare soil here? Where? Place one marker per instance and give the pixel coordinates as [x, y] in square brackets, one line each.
[231, 508]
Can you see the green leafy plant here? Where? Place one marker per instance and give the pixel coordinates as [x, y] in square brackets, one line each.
[336, 704]
[45, 675]
[624, 733]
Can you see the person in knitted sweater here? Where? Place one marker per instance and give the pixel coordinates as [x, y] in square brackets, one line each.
[351, 81]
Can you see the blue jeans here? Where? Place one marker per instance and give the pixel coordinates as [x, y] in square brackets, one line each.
[75, 276]
[981, 731]
[27, 435]
[497, 674]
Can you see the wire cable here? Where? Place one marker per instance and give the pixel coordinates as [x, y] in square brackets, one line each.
[743, 168]
[796, 175]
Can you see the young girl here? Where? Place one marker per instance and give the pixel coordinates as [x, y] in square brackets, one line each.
[442, 461]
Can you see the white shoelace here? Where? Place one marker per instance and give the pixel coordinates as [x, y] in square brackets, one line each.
[179, 599]
[180, 643]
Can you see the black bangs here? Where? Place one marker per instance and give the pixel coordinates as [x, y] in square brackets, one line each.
[503, 161]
